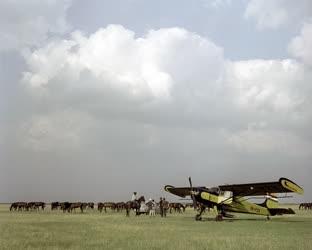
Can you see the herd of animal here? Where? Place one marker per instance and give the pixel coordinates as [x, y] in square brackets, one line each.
[34, 205]
[101, 206]
[305, 206]
[113, 206]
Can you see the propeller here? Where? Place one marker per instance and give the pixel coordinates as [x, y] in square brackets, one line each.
[192, 193]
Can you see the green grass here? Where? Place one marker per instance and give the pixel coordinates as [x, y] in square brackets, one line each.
[92, 230]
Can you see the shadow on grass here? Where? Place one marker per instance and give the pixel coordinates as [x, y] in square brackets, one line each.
[272, 220]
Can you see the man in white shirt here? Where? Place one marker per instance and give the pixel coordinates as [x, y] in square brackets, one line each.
[134, 197]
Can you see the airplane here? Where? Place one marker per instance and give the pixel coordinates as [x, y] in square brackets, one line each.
[235, 198]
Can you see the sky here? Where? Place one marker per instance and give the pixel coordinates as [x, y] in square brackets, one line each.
[102, 98]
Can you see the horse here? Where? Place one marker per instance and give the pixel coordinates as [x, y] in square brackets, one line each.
[100, 206]
[305, 206]
[75, 205]
[65, 206]
[13, 206]
[18, 206]
[110, 205]
[90, 205]
[31, 205]
[55, 205]
[135, 205]
[176, 207]
[120, 206]
[39, 204]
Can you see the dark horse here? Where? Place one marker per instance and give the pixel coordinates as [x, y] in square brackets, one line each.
[135, 205]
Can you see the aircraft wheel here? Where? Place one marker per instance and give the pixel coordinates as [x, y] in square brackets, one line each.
[268, 218]
[198, 217]
[219, 217]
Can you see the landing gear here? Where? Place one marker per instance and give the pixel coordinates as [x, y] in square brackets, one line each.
[219, 217]
[198, 216]
[268, 217]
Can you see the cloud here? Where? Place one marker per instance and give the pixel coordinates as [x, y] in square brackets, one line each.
[144, 67]
[216, 3]
[271, 85]
[59, 130]
[258, 140]
[167, 77]
[29, 23]
[301, 46]
[277, 13]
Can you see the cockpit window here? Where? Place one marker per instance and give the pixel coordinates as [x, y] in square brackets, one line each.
[214, 190]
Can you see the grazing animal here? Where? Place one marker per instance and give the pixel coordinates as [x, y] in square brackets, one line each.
[19, 206]
[120, 206]
[100, 206]
[305, 206]
[75, 205]
[55, 205]
[40, 204]
[176, 207]
[65, 206]
[90, 205]
[13, 206]
[110, 205]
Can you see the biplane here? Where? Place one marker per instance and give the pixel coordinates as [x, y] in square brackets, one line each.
[237, 198]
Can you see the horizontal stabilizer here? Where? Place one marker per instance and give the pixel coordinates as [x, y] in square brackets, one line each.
[280, 211]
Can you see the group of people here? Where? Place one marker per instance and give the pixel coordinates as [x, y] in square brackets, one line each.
[152, 205]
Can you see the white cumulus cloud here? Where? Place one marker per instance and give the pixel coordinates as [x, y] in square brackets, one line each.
[267, 84]
[169, 77]
[301, 46]
[140, 66]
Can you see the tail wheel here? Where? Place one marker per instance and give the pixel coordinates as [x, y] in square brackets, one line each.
[198, 217]
[219, 217]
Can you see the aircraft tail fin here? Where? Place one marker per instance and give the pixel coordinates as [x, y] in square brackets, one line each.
[270, 202]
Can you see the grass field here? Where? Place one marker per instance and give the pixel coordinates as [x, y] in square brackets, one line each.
[92, 230]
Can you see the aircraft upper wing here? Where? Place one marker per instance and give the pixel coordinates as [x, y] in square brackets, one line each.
[180, 191]
[253, 189]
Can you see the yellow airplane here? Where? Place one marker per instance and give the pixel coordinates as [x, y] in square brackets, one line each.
[234, 198]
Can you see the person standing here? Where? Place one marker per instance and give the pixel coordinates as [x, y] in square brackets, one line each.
[165, 206]
[152, 208]
[161, 207]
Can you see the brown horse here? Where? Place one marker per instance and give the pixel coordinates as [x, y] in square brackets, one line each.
[19, 206]
[75, 205]
[90, 205]
[65, 206]
[305, 206]
[100, 206]
[176, 207]
[55, 205]
[135, 205]
[110, 205]
[120, 206]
